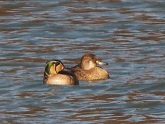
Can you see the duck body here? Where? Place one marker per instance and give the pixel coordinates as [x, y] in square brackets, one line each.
[55, 74]
[88, 68]
[96, 73]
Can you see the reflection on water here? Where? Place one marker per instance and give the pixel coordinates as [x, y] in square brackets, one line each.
[129, 35]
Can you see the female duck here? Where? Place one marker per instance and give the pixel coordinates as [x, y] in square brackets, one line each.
[56, 75]
[88, 68]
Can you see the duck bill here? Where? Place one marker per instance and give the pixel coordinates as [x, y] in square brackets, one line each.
[101, 63]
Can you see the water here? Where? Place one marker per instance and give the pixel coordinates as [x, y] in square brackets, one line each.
[129, 35]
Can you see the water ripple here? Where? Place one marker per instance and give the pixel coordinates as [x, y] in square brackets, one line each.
[129, 35]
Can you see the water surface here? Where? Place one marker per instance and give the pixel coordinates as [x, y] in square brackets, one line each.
[129, 35]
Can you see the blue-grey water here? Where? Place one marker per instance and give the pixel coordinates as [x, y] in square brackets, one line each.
[128, 34]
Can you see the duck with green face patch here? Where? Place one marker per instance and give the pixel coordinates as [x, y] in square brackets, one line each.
[89, 69]
[56, 74]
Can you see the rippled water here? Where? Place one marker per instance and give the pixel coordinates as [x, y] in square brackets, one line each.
[129, 35]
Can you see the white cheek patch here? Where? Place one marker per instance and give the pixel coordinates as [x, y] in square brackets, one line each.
[88, 65]
[91, 65]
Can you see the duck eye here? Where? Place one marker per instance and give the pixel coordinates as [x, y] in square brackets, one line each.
[57, 63]
[92, 58]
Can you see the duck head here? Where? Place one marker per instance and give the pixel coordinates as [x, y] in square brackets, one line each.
[53, 67]
[89, 61]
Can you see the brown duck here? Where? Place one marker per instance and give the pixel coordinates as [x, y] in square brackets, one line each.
[88, 68]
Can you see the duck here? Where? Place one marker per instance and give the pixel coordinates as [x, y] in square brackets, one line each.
[89, 68]
[56, 74]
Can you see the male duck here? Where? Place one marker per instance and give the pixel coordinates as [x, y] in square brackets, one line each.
[56, 75]
[87, 69]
